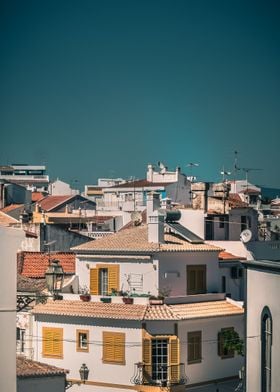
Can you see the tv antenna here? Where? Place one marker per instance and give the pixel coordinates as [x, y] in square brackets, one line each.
[247, 170]
[191, 165]
[225, 173]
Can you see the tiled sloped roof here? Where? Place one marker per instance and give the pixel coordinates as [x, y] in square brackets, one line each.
[92, 309]
[136, 239]
[235, 201]
[140, 184]
[36, 196]
[206, 309]
[139, 312]
[50, 202]
[35, 264]
[28, 368]
[12, 207]
[6, 220]
[229, 256]
[25, 284]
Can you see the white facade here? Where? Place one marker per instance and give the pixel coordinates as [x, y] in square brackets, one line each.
[61, 188]
[10, 240]
[262, 298]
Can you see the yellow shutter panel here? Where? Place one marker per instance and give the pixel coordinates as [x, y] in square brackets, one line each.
[52, 342]
[114, 347]
[174, 359]
[119, 345]
[147, 356]
[93, 284]
[113, 277]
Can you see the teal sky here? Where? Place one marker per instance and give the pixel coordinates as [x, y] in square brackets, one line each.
[101, 88]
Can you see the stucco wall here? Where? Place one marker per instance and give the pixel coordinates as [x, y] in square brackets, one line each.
[263, 289]
[42, 384]
[212, 366]
[173, 271]
[10, 240]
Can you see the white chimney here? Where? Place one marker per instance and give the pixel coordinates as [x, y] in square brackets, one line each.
[156, 228]
[153, 203]
[150, 173]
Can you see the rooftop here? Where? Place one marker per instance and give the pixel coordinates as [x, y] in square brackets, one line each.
[139, 312]
[28, 368]
[35, 264]
[135, 239]
[141, 184]
[229, 256]
[6, 220]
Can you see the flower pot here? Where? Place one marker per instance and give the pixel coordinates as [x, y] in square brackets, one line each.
[106, 300]
[127, 300]
[85, 297]
[156, 301]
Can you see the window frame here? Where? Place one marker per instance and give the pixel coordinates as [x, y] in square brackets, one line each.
[266, 349]
[78, 346]
[194, 334]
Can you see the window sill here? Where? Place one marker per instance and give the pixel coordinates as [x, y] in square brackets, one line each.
[113, 362]
[194, 361]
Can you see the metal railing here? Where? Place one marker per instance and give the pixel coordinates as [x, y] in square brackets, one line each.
[161, 375]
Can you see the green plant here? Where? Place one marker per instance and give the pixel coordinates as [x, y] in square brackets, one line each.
[233, 342]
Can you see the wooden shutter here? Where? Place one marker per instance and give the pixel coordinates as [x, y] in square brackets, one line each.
[194, 347]
[94, 281]
[174, 359]
[196, 279]
[220, 344]
[113, 278]
[147, 356]
[52, 342]
[114, 347]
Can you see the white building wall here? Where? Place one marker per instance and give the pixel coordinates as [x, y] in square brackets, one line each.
[10, 240]
[263, 289]
[173, 271]
[212, 366]
[146, 268]
[98, 371]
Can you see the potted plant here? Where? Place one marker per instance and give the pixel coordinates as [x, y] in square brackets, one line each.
[128, 300]
[106, 300]
[156, 300]
[84, 293]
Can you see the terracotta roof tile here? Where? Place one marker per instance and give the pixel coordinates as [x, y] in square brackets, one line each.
[35, 264]
[139, 312]
[235, 201]
[36, 196]
[229, 256]
[140, 184]
[50, 202]
[28, 368]
[135, 239]
[12, 207]
[92, 309]
[206, 309]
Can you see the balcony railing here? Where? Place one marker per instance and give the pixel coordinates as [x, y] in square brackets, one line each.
[160, 375]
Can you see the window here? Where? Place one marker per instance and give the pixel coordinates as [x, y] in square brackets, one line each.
[82, 340]
[114, 347]
[266, 346]
[223, 351]
[161, 358]
[224, 284]
[104, 278]
[194, 347]
[243, 222]
[196, 279]
[20, 340]
[52, 342]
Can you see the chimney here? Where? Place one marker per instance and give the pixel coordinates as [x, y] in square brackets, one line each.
[150, 172]
[199, 193]
[156, 228]
[153, 203]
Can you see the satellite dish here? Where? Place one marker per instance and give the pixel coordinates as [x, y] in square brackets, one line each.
[136, 218]
[246, 235]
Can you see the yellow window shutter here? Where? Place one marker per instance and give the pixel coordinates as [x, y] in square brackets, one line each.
[114, 347]
[93, 281]
[113, 277]
[174, 358]
[52, 342]
[119, 345]
[147, 356]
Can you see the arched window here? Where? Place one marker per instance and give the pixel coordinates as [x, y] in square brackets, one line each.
[266, 343]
